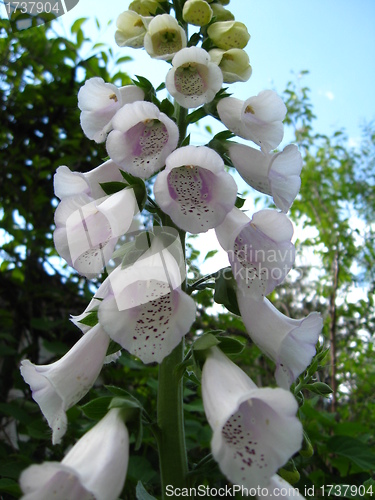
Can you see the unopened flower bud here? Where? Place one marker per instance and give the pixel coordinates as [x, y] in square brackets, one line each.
[144, 7]
[229, 34]
[220, 13]
[197, 12]
[289, 473]
[131, 30]
[234, 64]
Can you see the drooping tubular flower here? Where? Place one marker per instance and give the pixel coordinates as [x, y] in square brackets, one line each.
[142, 307]
[258, 119]
[260, 250]
[131, 29]
[60, 385]
[234, 64]
[194, 189]
[193, 80]
[94, 469]
[99, 102]
[290, 343]
[141, 139]
[277, 175]
[87, 230]
[164, 37]
[67, 183]
[255, 431]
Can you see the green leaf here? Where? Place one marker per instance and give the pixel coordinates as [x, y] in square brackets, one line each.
[225, 290]
[240, 202]
[353, 449]
[112, 187]
[77, 24]
[124, 59]
[97, 408]
[205, 342]
[91, 319]
[186, 141]
[10, 486]
[319, 388]
[210, 254]
[229, 345]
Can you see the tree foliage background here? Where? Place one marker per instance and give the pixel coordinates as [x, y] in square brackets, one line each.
[41, 74]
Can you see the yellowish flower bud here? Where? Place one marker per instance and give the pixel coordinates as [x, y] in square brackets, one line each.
[220, 13]
[234, 64]
[131, 30]
[144, 7]
[229, 34]
[197, 12]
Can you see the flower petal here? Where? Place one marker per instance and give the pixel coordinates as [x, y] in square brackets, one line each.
[290, 343]
[60, 385]
[151, 330]
[101, 457]
[193, 80]
[194, 189]
[141, 139]
[255, 431]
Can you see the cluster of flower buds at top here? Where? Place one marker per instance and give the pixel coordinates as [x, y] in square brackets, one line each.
[142, 305]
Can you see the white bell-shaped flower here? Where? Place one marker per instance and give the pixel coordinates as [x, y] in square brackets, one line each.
[193, 80]
[143, 307]
[87, 230]
[94, 469]
[164, 37]
[99, 102]
[260, 250]
[60, 385]
[290, 343]
[234, 64]
[194, 189]
[258, 119]
[141, 139]
[255, 430]
[67, 183]
[277, 175]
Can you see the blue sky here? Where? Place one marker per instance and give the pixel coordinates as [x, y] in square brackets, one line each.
[333, 39]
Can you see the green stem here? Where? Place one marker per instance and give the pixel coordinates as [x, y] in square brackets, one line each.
[171, 442]
[170, 417]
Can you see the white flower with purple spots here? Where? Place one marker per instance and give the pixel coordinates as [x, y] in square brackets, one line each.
[194, 189]
[143, 307]
[60, 385]
[87, 230]
[258, 119]
[277, 175]
[99, 102]
[141, 139]
[193, 79]
[260, 250]
[290, 343]
[93, 469]
[255, 430]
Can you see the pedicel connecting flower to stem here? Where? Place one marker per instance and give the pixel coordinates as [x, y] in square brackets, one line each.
[146, 302]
